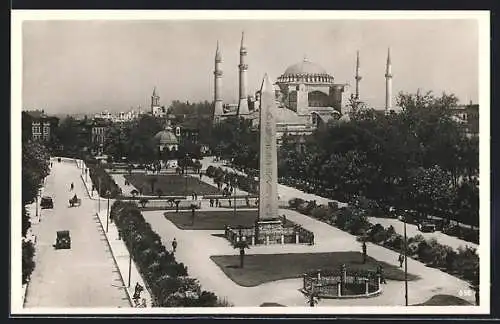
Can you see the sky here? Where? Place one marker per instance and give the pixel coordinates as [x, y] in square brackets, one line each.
[93, 65]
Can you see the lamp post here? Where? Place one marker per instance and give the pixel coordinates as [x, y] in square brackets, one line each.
[234, 196]
[406, 258]
[36, 206]
[185, 173]
[129, 261]
[108, 193]
[98, 194]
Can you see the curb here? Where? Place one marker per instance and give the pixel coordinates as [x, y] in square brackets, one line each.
[116, 262]
[129, 293]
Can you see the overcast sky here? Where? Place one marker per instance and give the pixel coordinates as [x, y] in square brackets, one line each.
[89, 66]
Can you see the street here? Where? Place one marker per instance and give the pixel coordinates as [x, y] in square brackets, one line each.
[85, 275]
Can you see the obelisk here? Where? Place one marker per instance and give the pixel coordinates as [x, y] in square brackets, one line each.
[268, 189]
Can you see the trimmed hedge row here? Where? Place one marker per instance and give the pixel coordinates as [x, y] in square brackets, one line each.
[463, 263]
[107, 183]
[166, 279]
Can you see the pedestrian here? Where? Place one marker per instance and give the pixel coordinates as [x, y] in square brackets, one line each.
[177, 202]
[380, 272]
[201, 175]
[401, 259]
[195, 196]
[364, 252]
[229, 200]
[211, 202]
[217, 204]
[174, 245]
[137, 292]
[192, 195]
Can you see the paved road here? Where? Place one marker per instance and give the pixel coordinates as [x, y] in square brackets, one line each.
[85, 275]
[286, 292]
[286, 193]
[412, 230]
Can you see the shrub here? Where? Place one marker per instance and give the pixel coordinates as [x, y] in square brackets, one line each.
[321, 213]
[295, 202]
[28, 264]
[166, 278]
[377, 234]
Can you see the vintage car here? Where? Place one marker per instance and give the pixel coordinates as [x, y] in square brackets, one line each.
[63, 240]
[427, 227]
[46, 202]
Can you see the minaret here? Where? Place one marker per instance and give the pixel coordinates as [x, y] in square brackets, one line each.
[357, 77]
[218, 111]
[243, 67]
[388, 82]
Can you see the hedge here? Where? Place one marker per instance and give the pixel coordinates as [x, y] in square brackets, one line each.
[166, 279]
[463, 263]
[107, 183]
[28, 264]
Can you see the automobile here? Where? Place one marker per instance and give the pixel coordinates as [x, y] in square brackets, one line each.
[63, 240]
[427, 227]
[46, 202]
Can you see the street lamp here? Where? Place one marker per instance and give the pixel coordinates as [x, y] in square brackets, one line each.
[36, 205]
[235, 181]
[185, 172]
[108, 193]
[406, 257]
[129, 259]
[98, 194]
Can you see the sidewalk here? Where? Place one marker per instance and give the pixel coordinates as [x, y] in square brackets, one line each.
[118, 248]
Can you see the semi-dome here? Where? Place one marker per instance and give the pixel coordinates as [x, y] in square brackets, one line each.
[166, 137]
[304, 67]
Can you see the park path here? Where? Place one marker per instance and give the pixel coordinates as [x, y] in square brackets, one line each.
[196, 246]
[85, 275]
[286, 193]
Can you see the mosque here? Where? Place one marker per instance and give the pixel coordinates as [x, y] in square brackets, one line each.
[306, 95]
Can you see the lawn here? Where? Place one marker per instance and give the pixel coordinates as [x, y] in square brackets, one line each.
[445, 300]
[171, 185]
[215, 220]
[262, 268]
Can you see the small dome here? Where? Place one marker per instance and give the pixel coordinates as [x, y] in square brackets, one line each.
[304, 67]
[166, 137]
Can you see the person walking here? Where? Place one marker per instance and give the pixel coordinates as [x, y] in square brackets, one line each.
[364, 252]
[211, 202]
[174, 245]
[217, 204]
[401, 259]
[137, 292]
[380, 272]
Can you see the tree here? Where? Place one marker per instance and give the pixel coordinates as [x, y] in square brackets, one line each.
[28, 264]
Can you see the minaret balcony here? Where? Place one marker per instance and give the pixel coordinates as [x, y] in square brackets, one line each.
[243, 66]
[218, 73]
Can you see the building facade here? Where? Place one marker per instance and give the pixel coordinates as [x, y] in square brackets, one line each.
[38, 126]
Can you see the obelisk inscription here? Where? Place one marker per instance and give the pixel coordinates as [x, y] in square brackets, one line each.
[268, 190]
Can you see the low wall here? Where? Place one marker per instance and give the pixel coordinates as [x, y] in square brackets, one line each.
[337, 286]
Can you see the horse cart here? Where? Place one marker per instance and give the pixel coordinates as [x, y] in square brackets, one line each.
[75, 202]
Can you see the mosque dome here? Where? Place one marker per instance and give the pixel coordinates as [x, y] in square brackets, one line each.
[305, 67]
[166, 137]
[305, 72]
